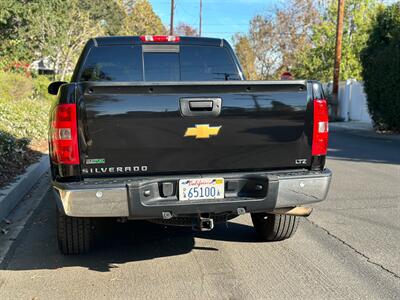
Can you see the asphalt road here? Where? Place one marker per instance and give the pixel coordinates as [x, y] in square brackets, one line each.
[349, 248]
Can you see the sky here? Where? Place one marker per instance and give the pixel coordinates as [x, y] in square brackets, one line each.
[221, 18]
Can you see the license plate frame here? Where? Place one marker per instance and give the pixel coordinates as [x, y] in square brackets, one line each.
[192, 189]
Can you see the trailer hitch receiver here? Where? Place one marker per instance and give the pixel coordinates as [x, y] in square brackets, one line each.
[203, 224]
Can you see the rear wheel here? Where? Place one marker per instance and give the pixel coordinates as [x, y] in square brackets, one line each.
[272, 227]
[74, 234]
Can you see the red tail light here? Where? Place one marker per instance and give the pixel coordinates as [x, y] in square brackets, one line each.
[64, 135]
[160, 38]
[321, 128]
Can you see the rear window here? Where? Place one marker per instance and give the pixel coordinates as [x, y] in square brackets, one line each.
[183, 63]
[207, 63]
[113, 63]
[159, 66]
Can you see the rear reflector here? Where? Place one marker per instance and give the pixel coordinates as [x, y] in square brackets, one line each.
[64, 135]
[160, 38]
[321, 128]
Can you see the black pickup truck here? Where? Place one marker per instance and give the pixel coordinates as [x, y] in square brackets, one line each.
[167, 129]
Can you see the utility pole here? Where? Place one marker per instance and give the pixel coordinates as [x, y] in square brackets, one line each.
[171, 23]
[201, 9]
[338, 55]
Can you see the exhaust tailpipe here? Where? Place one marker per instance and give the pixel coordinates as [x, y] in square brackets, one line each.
[293, 211]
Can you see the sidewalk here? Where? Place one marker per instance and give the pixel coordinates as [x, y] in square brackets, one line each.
[361, 128]
[351, 125]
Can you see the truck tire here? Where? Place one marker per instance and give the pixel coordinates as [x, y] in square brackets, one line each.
[272, 227]
[73, 234]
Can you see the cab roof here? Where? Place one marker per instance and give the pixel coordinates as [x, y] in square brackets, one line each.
[135, 40]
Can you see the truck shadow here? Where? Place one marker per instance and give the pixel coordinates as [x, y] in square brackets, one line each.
[115, 243]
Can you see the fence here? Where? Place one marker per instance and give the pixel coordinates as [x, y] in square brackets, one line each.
[352, 100]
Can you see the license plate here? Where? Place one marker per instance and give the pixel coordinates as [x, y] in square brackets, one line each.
[201, 188]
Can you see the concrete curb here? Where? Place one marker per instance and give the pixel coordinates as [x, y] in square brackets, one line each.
[11, 195]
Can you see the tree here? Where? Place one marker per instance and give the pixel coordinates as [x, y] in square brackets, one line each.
[262, 39]
[317, 61]
[8, 19]
[246, 56]
[293, 25]
[300, 37]
[35, 29]
[58, 29]
[52, 31]
[143, 20]
[184, 29]
[110, 14]
[128, 5]
[381, 64]
[277, 38]
[11, 18]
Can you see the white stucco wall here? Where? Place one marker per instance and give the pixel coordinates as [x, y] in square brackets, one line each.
[352, 101]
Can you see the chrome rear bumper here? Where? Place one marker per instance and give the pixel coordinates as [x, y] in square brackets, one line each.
[141, 197]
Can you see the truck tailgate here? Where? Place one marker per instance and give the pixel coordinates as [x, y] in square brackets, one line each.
[143, 128]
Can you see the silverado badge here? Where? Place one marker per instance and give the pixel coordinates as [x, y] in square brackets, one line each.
[202, 131]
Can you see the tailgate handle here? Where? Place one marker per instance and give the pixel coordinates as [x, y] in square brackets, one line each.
[197, 107]
[200, 105]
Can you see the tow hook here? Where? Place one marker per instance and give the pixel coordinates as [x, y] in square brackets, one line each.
[203, 224]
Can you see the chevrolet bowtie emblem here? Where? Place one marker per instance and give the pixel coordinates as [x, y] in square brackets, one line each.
[203, 131]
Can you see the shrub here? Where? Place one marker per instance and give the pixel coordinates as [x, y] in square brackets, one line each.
[10, 146]
[381, 69]
[24, 109]
[25, 118]
[14, 87]
[40, 84]
[18, 67]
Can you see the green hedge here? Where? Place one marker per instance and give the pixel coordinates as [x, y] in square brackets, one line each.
[24, 109]
[381, 69]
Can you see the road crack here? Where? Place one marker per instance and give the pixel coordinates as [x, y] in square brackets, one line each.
[354, 249]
